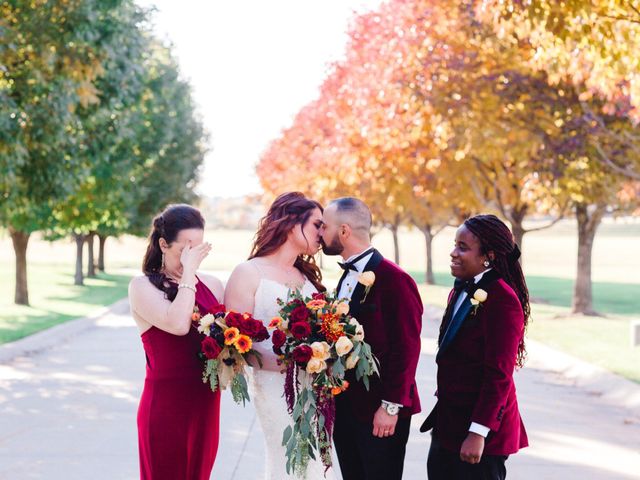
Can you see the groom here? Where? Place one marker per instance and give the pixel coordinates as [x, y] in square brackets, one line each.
[372, 426]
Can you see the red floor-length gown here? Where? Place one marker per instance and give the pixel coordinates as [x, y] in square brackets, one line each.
[178, 416]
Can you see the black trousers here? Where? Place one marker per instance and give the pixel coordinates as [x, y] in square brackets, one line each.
[365, 457]
[445, 465]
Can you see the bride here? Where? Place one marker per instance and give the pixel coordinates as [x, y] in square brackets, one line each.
[281, 262]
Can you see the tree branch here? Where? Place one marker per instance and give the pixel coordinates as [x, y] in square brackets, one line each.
[625, 139]
[615, 167]
[561, 215]
[619, 18]
[482, 168]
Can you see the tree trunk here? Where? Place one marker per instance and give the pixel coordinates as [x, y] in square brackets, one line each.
[587, 225]
[102, 240]
[91, 265]
[396, 245]
[20, 241]
[79, 277]
[516, 219]
[518, 234]
[428, 238]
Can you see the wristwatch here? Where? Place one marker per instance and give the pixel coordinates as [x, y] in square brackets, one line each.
[391, 408]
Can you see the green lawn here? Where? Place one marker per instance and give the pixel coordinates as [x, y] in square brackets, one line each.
[54, 299]
[603, 341]
[609, 297]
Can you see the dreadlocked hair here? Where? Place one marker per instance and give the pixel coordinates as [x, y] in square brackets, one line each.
[494, 236]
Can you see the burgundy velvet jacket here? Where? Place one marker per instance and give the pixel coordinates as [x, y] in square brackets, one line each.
[475, 373]
[391, 314]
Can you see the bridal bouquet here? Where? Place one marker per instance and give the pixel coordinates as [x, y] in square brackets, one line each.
[228, 343]
[318, 341]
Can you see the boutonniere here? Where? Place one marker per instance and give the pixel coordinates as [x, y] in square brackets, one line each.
[367, 279]
[479, 296]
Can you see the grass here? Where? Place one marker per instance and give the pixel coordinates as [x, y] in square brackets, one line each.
[54, 299]
[609, 297]
[602, 341]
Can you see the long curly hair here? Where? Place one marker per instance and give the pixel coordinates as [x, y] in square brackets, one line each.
[168, 225]
[285, 213]
[495, 236]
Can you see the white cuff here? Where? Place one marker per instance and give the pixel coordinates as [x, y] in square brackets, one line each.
[399, 405]
[479, 429]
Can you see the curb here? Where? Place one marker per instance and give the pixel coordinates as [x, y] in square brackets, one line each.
[58, 334]
[607, 385]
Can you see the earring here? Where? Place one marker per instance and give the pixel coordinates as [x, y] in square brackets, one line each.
[486, 263]
[162, 266]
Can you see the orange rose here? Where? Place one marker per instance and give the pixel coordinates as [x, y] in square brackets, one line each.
[231, 335]
[336, 391]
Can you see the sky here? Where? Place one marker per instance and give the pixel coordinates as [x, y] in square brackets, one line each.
[253, 64]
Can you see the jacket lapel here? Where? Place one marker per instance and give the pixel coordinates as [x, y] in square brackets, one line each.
[456, 322]
[446, 318]
[356, 297]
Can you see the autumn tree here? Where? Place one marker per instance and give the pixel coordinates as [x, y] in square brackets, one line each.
[592, 44]
[591, 187]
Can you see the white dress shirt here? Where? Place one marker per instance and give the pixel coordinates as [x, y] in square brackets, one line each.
[475, 427]
[351, 280]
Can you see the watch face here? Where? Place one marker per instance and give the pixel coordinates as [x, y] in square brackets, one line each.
[392, 409]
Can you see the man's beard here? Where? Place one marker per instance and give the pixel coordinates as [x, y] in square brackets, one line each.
[333, 248]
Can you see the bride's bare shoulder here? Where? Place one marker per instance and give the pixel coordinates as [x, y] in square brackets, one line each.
[245, 272]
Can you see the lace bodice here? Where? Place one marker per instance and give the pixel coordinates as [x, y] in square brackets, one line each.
[266, 307]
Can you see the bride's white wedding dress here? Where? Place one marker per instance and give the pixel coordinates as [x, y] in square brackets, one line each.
[267, 389]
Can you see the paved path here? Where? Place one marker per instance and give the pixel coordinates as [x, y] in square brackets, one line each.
[68, 412]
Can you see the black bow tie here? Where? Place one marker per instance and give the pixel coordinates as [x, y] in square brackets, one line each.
[347, 266]
[352, 264]
[460, 285]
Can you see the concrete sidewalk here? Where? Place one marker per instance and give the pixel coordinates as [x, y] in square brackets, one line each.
[68, 400]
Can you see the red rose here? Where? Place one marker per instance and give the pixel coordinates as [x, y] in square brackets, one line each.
[299, 314]
[210, 348]
[319, 296]
[262, 334]
[253, 328]
[302, 354]
[249, 326]
[233, 319]
[300, 330]
[278, 338]
[217, 309]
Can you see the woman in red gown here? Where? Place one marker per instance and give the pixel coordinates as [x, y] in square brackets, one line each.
[178, 416]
